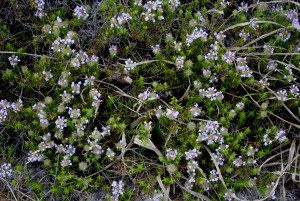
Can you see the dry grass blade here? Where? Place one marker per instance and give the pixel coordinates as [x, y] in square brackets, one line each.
[147, 143]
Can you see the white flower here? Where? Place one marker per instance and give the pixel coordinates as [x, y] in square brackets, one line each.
[35, 156]
[197, 33]
[118, 21]
[6, 170]
[211, 93]
[238, 162]
[89, 81]
[113, 50]
[81, 12]
[65, 162]
[69, 150]
[129, 65]
[253, 23]
[66, 97]
[220, 36]
[213, 175]
[61, 123]
[294, 91]
[268, 49]
[47, 75]
[264, 82]
[40, 5]
[110, 154]
[179, 62]
[191, 154]
[172, 113]
[272, 65]
[13, 60]
[229, 57]
[75, 87]
[267, 140]
[148, 125]
[63, 80]
[243, 67]
[174, 3]
[74, 113]
[229, 195]
[244, 35]
[243, 7]
[177, 46]
[144, 96]
[117, 189]
[281, 95]
[280, 136]
[196, 111]
[171, 154]
[284, 35]
[155, 49]
[240, 105]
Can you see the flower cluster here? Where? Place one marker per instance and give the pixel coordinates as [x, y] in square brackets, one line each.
[153, 11]
[61, 123]
[211, 132]
[197, 33]
[64, 45]
[76, 87]
[81, 12]
[6, 170]
[196, 111]
[35, 156]
[280, 135]
[220, 36]
[171, 154]
[293, 16]
[179, 62]
[95, 95]
[89, 81]
[284, 35]
[13, 60]
[117, 190]
[40, 6]
[229, 57]
[5, 106]
[174, 3]
[147, 95]
[129, 65]
[294, 91]
[191, 154]
[42, 115]
[63, 79]
[213, 177]
[47, 75]
[113, 50]
[211, 93]
[229, 195]
[118, 21]
[192, 166]
[243, 67]
[281, 95]
[272, 65]
[289, 76]
[244, 35]
[253, 23]
[213, 52]
[239, 162]
[172, 113]
[82, 58]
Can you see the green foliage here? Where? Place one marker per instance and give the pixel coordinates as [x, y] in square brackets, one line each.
[154, 100]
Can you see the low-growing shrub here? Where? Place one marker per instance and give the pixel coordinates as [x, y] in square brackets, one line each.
[149, 100]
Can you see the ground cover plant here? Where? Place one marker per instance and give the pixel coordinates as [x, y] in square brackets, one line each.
[149, 100]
